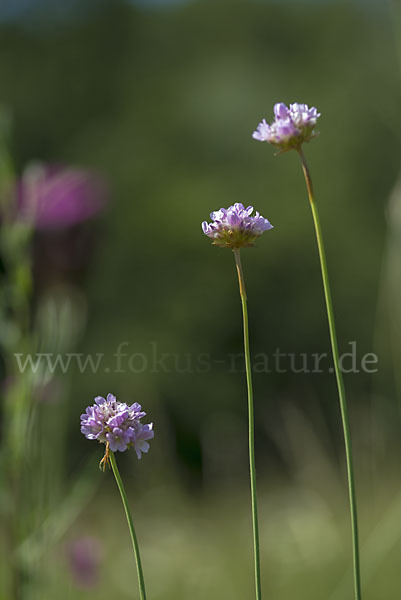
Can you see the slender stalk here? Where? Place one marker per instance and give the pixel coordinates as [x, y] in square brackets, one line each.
[251, 426]
[135, 545]
[339, 377]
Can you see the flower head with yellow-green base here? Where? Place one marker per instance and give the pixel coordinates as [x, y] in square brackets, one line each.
[235, 227]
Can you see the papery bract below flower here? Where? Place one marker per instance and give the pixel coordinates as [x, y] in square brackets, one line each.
[55, 196]
[117, 424]
[234, 227]
[291, 127]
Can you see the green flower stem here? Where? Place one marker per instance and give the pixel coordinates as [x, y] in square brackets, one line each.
[135, 545]
[339, 377]
[250, 424]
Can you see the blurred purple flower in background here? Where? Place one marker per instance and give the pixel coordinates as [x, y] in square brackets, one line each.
[292, 126]
[53, 196]
[60, 203]
[234, 227]
[84, 555]
[117, 424]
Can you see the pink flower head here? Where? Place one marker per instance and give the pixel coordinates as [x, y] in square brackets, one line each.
[291, 127]
[52, 197]
[235, 227]
[117, 424]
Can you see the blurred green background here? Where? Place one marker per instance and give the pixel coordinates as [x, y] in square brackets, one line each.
[161, 99]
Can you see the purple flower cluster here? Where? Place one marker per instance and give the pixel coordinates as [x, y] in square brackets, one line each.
[291, 127]
[117, 424]
[55, 196]
[234, 227]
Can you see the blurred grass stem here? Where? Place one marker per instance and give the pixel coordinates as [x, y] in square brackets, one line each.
[339, 377]
[135, 545]
[250, 424]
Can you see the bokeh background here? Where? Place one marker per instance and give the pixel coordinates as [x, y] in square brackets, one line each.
[151, 105]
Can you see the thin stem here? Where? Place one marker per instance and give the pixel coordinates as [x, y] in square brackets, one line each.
[339, 377]
[135, 545]
[251, 425]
